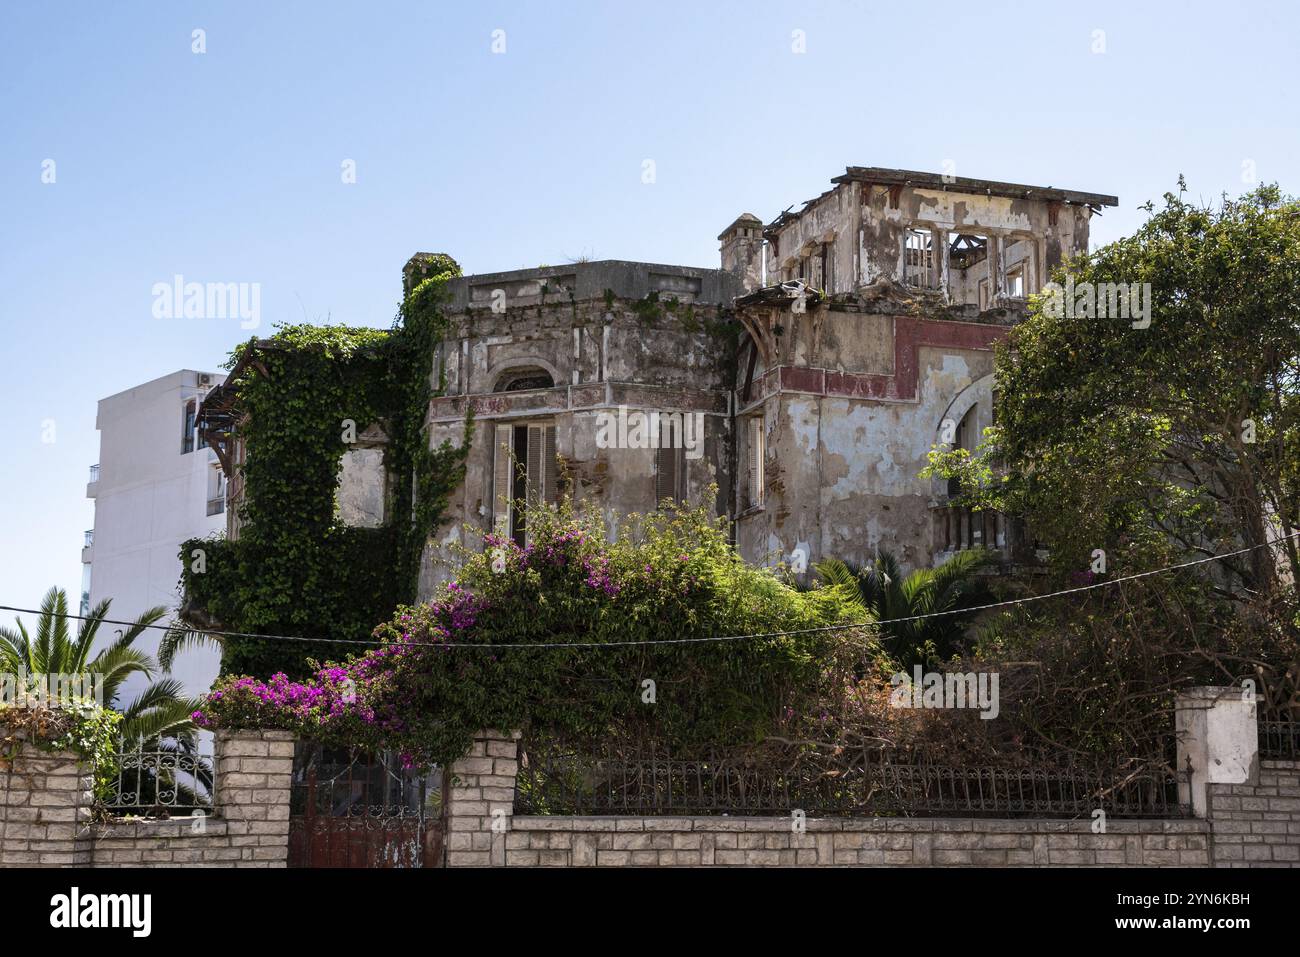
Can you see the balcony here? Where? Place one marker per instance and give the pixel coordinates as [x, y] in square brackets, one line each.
[88, 549]
[92, 485]
[958, 528]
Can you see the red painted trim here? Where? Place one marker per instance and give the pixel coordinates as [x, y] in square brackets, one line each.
[910, 334]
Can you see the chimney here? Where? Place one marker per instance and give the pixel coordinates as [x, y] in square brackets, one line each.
[742, 251]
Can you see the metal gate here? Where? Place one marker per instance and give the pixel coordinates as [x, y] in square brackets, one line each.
[355, 809]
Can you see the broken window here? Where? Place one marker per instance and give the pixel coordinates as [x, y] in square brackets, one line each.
[1016, 282]
[362, 488]
[1021, 254]
[919, 267]
[968, 269]
[524, 471]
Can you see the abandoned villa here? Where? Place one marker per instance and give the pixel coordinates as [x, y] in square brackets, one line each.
[806, 378]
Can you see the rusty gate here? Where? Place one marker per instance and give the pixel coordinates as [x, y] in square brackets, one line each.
[357, 809]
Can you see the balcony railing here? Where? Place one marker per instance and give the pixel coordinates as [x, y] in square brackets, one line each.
[962, 528]
[90, 537]
[94, 473]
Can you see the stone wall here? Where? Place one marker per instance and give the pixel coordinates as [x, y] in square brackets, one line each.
[45, 800]
[1258, 825]
[878, 842]
[480, 799]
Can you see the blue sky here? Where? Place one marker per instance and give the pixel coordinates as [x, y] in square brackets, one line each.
[226, 166]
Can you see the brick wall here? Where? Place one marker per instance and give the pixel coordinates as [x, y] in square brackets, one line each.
[480, 799]
[45, 800]
[879, 842]
[1258, 825]
[45, 821]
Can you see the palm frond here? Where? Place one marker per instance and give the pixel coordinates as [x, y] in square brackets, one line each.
[179, 639]
[86, 635]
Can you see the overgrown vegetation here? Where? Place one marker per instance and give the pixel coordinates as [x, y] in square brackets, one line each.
[1128, 447]
[295, 569]
[668, 576]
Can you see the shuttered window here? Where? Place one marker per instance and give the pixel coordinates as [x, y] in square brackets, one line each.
[670, 475]
[527, 453]
[502, 474]
[755, 454]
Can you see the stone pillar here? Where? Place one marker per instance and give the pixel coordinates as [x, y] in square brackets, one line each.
[1218, 738]
[45, 802]
[480, 790]
[254, 773]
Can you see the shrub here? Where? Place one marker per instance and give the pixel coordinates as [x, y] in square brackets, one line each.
[669, 576]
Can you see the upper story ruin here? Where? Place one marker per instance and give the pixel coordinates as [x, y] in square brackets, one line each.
[965, 242]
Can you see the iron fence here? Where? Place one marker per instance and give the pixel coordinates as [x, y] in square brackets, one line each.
[874, 784]
[1279, 739]
[167, 778]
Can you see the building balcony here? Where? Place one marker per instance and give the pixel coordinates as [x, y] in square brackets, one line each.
[958, 528]
[88, 548]
[92, 485]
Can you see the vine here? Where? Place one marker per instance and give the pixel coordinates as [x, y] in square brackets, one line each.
[295, 568]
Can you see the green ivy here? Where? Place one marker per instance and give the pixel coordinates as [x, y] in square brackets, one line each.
[295, 569]
[89, 731]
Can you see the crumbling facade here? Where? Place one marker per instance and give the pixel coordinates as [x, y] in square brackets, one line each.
[833, 349]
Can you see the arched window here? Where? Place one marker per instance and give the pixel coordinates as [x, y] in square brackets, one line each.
[520, 378]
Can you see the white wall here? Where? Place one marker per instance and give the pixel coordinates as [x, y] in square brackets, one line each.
[149, 498]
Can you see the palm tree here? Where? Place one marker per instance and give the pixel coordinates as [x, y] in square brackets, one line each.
[882, 590]
[157, 719]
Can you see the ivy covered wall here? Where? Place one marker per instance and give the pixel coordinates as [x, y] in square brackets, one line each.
[295, 569]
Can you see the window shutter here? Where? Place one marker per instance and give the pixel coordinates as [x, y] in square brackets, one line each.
[536, 443]
[667, 475]
[501, 475]
[550, 480]
[756, 460]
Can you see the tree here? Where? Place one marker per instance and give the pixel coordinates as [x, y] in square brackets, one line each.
[159, 712]
[883, 592]
[1161, 441]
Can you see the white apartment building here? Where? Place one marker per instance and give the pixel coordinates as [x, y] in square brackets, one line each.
[155, 486]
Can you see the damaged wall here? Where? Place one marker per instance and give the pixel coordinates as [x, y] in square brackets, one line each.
[639, 337]
[848, 428]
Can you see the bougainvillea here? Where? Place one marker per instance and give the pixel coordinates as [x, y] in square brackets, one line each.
[555, 638]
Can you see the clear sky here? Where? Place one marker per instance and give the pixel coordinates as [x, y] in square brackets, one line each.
[227, 166]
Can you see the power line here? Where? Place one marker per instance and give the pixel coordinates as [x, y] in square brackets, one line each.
[670, 641]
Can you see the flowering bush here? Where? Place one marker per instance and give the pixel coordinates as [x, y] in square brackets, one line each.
[476, 656]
